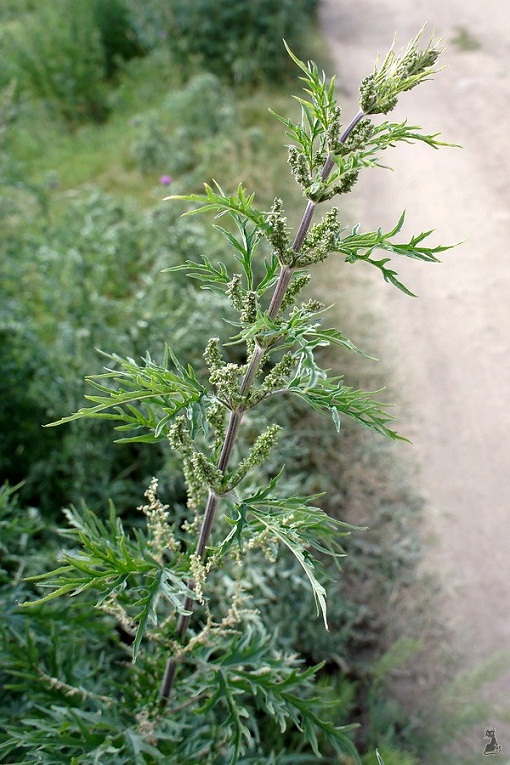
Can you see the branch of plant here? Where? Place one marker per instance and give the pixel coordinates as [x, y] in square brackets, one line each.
[236, 415]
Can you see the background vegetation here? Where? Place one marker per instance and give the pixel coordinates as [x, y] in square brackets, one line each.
[104, 106]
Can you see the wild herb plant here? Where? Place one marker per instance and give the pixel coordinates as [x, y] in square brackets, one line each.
[182, 588]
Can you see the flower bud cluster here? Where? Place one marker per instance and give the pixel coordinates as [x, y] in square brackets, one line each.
[312, 306]
[216, 419]
[212, 355]
[226, 381]
[199, 575]
[249, 311]
[266, 543]
[358, 139]
[277, 234]
[299, 167]
[258, 453]
[380, 90]
[206, 471]
[201, 475]
[321, 240]
[224, 377]
[321, 191]
[277, 377]
[160, 532]
[374, 97]
[414, 63]
[199, 472]
[179, 437]
[235, 292]
[297, 284]
[334, 129]
[245, 301]
[319, 159]
[346, 183]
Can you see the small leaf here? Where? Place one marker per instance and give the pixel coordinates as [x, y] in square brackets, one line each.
[358, 246]
[221, 203]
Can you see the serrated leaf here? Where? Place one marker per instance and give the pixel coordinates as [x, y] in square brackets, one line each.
[360, 247]
[162, 584]
[158, 392]
[221, 203]
[110, 562]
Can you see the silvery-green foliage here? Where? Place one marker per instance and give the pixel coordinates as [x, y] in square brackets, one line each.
[222, 666]
[86, 277]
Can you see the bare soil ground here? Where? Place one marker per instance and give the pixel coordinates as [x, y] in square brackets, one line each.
[450, 348]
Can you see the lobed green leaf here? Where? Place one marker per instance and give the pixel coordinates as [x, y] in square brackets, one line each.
[360, 247]
[332, 396]
[250, 668]
[111, 563]
[221, 203]
[296, 523]
[158, 392]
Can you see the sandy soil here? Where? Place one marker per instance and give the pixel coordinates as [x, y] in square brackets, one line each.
[449, 348]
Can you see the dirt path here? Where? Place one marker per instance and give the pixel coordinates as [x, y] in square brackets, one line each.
[451, 347]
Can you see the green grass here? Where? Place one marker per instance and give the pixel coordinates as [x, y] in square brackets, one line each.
[43, 147]
[94, 154]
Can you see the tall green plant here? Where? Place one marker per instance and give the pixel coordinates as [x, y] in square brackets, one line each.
[224, 686]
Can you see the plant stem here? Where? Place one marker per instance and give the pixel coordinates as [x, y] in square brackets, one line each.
[330, 161]
[236, 416]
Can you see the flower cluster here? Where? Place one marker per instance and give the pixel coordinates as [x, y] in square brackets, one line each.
[226, 381]
[160, 532]
[258, 454]
[200, 473]
[334, 130]
[296, 286]
[245, 301]
[358, 139]
[321, 239]
[277, 234]
[398, 73]
[216, 419]
[276, 378]
[212, 355]
[299, 166]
